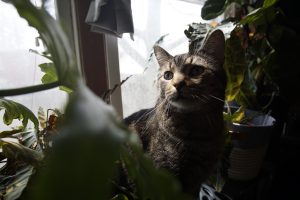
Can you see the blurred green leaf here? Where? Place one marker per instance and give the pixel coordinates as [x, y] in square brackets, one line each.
[16, 151]
[16, 173]
[66, 89]
[212, 9]
[4, 134]
[151, 183]
[87, 149]
[14, 110]
[84, 153]
[11, 187]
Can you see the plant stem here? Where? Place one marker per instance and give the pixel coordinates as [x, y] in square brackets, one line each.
[30, 89]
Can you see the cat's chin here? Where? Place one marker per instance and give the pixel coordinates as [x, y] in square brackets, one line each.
[185, 105]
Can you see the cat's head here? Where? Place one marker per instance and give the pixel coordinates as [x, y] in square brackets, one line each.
[196, 79]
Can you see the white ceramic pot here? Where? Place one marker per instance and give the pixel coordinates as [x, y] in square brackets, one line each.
[250, 142]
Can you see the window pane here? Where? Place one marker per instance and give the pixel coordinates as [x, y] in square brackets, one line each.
[152, 19]
[18, 65]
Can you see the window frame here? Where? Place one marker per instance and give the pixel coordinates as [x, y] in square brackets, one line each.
[97, 53]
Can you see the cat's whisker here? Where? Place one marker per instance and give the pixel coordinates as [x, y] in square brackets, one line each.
[202, 99]
[204, 96]
[149, 113]
[217, 98]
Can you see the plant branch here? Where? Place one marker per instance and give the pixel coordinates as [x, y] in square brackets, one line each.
[30, 89]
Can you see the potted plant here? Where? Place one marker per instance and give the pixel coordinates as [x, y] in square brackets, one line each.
[253, 31]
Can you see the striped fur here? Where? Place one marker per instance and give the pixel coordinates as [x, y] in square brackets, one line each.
[183, 133]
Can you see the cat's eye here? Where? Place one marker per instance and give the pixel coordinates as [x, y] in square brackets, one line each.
[168, 75]
[196, 71]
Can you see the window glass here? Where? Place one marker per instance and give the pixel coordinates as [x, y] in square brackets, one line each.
[152, 20]
[19, 65]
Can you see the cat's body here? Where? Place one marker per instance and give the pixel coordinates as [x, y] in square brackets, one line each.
[183, 133]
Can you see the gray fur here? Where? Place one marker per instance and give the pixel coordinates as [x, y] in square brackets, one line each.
[183, 133]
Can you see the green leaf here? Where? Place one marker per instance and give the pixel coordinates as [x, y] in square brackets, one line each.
[212, 9]
[18, 152]
[268, 3]
[84, 152]
[151, 183]
[14, 110]
[51, 76]
[66, 89]
[237, 116]
[235, 64]
[55, 39]
[16, 173]
[50, 73]
[260, 16]
[87, 149]
[4, 134]
[247, 93]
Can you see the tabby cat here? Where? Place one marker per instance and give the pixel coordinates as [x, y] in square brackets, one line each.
[183, 133]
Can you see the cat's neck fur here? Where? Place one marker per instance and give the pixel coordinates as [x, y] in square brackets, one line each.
[182, 140]
[183, 133]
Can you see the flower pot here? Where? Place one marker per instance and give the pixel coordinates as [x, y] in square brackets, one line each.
[249, 145]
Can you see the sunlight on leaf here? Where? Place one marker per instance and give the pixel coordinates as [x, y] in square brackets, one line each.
[235, 65]
[260, 16]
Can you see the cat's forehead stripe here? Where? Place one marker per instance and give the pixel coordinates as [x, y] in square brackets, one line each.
[190, 59]
[196, 60]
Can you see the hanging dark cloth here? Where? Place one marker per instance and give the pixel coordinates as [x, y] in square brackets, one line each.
[111, 17]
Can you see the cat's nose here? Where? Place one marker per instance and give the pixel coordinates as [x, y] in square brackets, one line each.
[179, 85]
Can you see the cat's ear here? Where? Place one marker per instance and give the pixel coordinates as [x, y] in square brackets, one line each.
[214, 45]
[161, 55]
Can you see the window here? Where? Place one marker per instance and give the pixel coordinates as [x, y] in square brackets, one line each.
[152, 19]
[19, 65]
